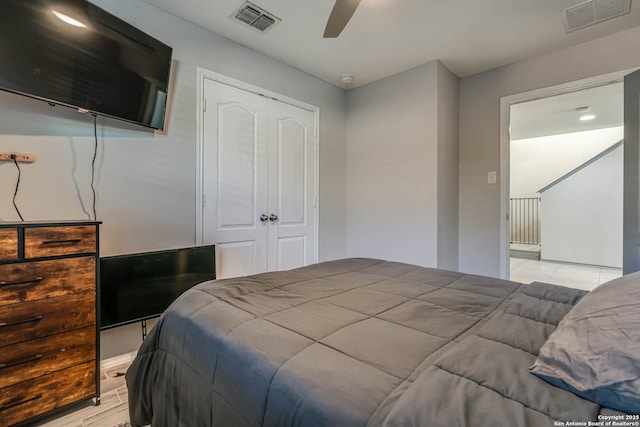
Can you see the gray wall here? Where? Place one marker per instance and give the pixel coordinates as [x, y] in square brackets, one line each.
[402, 168]
[392, 168]
[146, 181]
[448, 172]
[480, 95]
[630, 252]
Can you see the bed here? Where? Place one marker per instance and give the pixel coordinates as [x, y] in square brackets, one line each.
[360, 342]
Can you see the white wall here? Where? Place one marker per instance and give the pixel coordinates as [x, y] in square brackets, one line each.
[537, 162]
[581, 216]
[146, 181]
[399, 137]
[480, 131]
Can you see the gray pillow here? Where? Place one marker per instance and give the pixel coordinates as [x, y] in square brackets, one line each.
[595, 351]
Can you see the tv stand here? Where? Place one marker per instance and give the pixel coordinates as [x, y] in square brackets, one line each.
[140, 286]
[144, 329]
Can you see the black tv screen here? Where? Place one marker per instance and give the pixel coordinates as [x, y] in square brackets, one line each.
[72, 53]
[140, 286]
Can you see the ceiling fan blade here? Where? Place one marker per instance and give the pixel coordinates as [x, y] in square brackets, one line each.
[340, 15]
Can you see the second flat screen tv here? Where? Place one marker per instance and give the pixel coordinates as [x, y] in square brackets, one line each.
[72, 53]
[141, 286]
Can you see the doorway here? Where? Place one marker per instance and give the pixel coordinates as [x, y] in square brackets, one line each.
[561, 186]
[257, 179]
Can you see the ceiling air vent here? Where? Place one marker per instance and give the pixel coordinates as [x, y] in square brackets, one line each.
[255, 17]
[594, 11]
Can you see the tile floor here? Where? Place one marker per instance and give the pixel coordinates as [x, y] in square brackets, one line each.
[571, 275]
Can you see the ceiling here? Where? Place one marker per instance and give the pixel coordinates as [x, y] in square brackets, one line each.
[558, 114]
[385, 37]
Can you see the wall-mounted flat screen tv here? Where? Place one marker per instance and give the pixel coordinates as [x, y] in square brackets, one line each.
[141, 286]
[72, 53]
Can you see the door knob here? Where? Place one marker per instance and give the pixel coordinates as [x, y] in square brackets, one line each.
[264, 218]
[273, 217]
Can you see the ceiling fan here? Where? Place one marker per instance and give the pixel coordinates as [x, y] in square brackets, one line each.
[340, 16]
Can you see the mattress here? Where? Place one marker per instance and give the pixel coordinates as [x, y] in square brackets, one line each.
[354, 342]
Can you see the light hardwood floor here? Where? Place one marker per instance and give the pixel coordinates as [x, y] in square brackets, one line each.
[113, 410]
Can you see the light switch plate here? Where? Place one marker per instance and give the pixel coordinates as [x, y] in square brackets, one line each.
[492, 177]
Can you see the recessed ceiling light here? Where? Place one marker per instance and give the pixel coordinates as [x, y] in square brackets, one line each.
[347, 78]
[585, 115]
[69, 20]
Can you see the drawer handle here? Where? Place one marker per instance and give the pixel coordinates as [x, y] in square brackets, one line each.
[22, 282]
[60, 241]
[20, 362]
[20, 402]
[19, 322]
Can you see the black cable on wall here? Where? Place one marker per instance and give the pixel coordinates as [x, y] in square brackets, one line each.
[93, 163]
[15, 194]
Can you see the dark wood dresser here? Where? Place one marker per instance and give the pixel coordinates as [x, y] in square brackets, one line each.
[49, 336]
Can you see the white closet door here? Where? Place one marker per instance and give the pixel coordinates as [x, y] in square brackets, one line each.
[292, 198]
[259, 182]
[235, 141]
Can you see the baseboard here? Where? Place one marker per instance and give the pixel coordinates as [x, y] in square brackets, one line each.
[524, 254]
[122, 359]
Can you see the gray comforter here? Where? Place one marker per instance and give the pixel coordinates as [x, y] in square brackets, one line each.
[356, 342]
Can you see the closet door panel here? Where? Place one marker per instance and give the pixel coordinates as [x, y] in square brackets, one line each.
[292, 172]
[292, 197]
[291, 252]
[237, 166]
[235, 179]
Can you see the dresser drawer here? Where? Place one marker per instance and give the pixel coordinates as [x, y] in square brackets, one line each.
[36, 319]
[64, 240]
[8, 244]
[39, 395]
[28, 281]
[31, 359]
